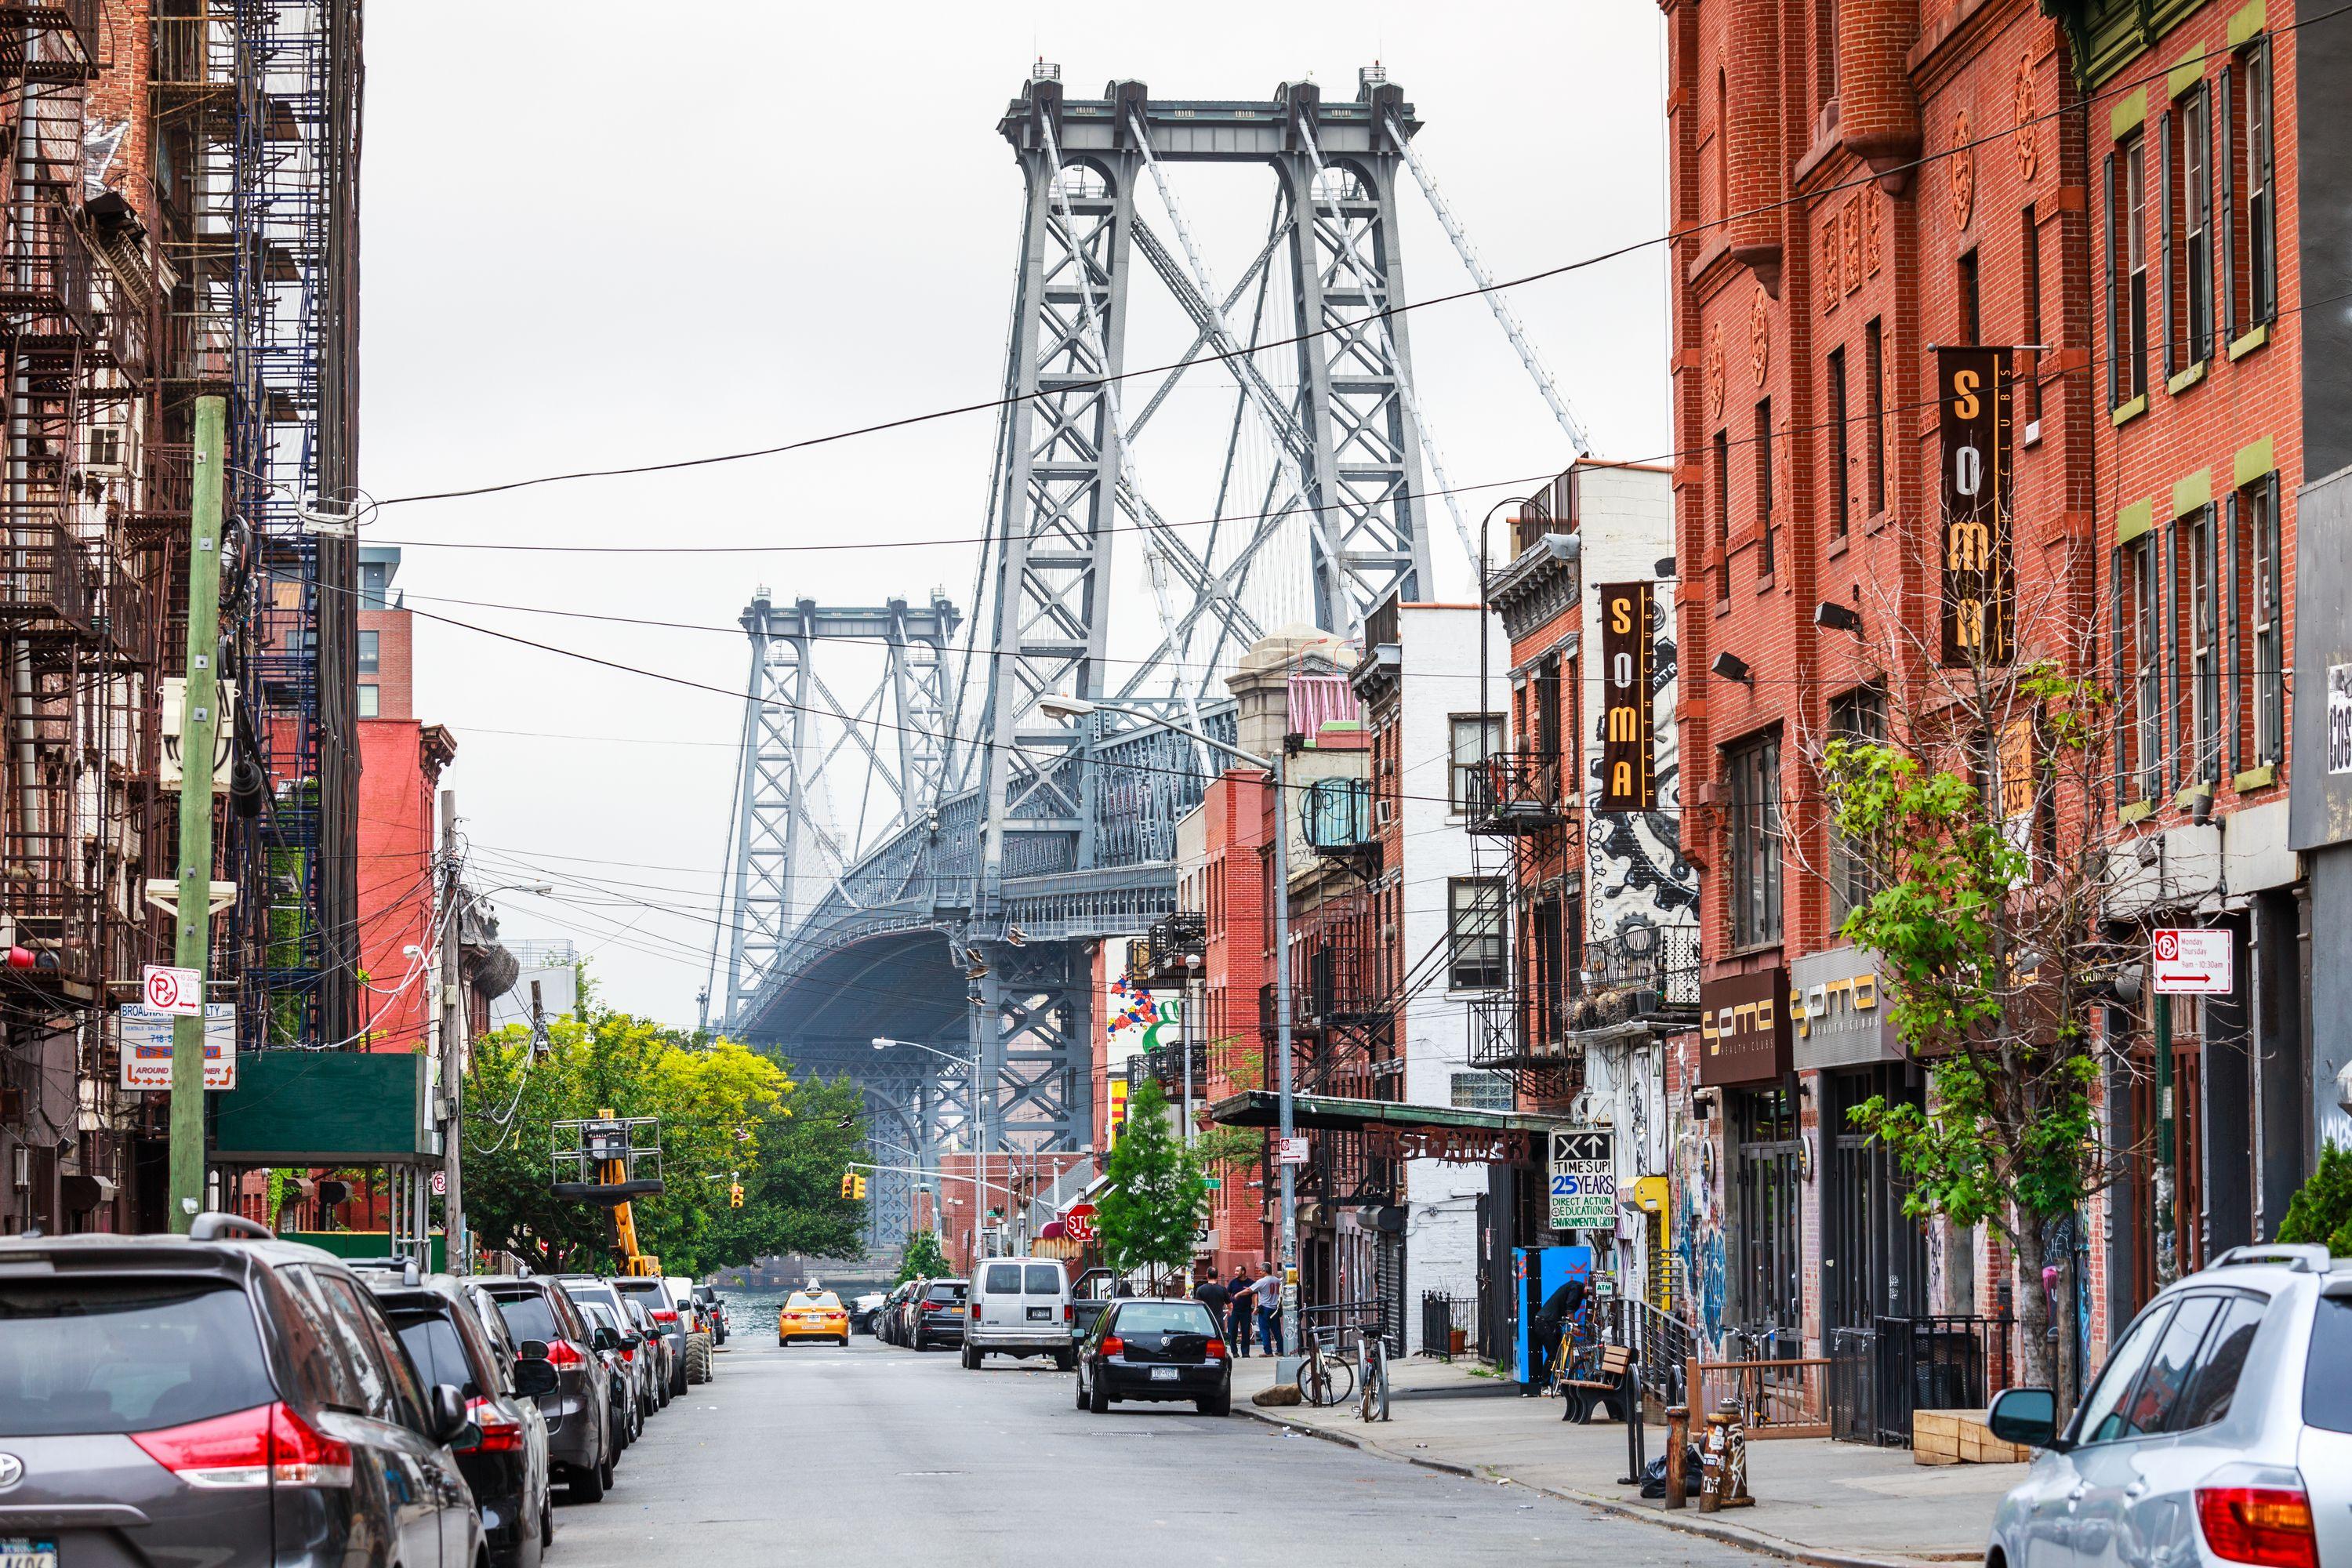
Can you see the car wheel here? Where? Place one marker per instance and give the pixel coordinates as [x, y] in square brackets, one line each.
[1098, 1398]
[1216, 1405]
[1080, 1387]
[588, 1485]
[971, 1359]
[605, 1475]
[678, 1378]
[546, 1526]
[1065, 1361]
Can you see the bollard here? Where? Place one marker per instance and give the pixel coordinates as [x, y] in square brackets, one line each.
[1630, 1400]
[1710, 1461]
[1678, 1466]
[1734, 1493]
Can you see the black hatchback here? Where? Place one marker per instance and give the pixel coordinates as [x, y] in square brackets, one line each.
[1157, 1350]
[505, 1466]
[220, 1397]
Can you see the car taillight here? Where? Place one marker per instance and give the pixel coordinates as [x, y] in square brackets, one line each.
[2269, 1525]
[499, 1435]
[1216, 1350]
[1069, 1313]
[628, 1352]
[665, 1316]
[250, 1448]
[562, 1352]
[1114, 1345]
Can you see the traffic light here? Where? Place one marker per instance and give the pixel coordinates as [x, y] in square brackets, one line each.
[848, 1183]
[735, 1196]
[860, 1194]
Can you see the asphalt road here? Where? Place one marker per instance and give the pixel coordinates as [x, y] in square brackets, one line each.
[875, 1455]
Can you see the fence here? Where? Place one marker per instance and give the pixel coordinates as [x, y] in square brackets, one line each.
[1452, 1326]
[1661, 1344]
[1881, 1374]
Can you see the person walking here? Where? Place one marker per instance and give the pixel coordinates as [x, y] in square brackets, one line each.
[1213, 1295]
[1268, 1294]
[1237, 1318]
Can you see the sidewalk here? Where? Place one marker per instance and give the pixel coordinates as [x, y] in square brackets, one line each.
[1843, 1505]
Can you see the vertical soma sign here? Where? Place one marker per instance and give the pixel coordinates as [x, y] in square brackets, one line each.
[1629, 722]
[1980, 583]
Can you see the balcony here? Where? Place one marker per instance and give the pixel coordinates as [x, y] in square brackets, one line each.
[1518, 793]
[1166, 1065]
[67, 31]
[43, 580]
[1644, 974]
[1337, 816]
[1157, 957]
[1524, 1028]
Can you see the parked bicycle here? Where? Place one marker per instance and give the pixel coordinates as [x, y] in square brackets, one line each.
[1324, 1377]
[1374, 1405]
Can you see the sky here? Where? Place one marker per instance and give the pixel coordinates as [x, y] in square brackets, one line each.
[590, 242]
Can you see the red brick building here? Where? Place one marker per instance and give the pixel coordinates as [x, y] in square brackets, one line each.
[2097, 192]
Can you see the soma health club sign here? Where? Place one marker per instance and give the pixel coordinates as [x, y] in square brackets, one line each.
[1629, 779]
[1980, 579]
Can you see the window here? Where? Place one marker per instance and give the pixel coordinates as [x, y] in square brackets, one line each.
[1825, 21]
[370, 652]
[1002, 1279]
[1764, 488]
[2261, 188]
[2187, 218]
[1752, 771]
[1723, 511]
[1041, 1278]
[1841, 482]
[2029, 252]
[1474, 933]
[94, 1355]
[1722, 145]
[2200, 646]
[1970, 298]
[2137, 649]
[375, 577]
[432, 1343]
[2224, 1358]
[1481, 1091]
[1164, 1318]
[371, 701]
[1858, 715]
[1874, 372]
[2127, 272]
[1474, 739]
[2101, 1418]
[2328, 1369]
[104, 448]
[2152, 1406]
[2264, 654]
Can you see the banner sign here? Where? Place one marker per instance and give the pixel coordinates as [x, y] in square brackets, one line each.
[146, 1037]
[1743, 1029]
[1979, 580]
[1583, 1179]
[1453, 1145]
[1629, 736]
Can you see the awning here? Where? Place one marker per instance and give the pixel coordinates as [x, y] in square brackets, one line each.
[1261, 1108]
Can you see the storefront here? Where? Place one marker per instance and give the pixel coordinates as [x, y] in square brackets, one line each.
[1744, 1057]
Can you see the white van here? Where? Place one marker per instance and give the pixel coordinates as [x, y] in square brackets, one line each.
[1019, 1306]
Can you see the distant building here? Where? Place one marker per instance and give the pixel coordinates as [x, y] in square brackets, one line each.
[552, 964]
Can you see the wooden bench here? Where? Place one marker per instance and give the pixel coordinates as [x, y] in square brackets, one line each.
[1583, 1394]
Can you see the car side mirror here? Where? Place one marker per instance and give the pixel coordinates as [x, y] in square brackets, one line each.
[2027, 1415]
[533, 1376]
[531, 1350]
[604, 1339]
[450, 1426]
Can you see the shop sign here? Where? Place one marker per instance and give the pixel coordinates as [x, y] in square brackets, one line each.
[1743, 1029]
[1837, 1013]
[1583, 1179]
[1629, 738]
[146, 1037]
[1973, 420]
[1452, 1145]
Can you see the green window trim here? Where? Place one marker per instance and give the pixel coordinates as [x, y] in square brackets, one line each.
[2255, 778]
[2250, 343]
[2245, 22]
[2134, 520]
[2252, 461]
[2191, 492]
[2128, 115]
[2185, 380]
[2188, 73]
[2137, 811]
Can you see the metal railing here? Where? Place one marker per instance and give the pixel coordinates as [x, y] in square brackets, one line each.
[1525, 1025]
[44, 577]
[1881, 1374]
[1337, 815]
[1158, 954]
[1661, 1344]
[1517, 792]
[1452, 1325]
[1640, 973]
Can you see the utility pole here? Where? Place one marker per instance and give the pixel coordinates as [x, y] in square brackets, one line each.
[199, 724]
[453, 1045]
[1283, 1100]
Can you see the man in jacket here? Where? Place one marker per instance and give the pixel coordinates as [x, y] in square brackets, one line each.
[1237, 1324]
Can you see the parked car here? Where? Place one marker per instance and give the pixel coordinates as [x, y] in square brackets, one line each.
[2220, 1429]
[1019, 1306]
[811, 1315]
[652, 1346]
[889, 1319]
[584, 1288]
[224, 1398]
[699, 1337]
[506, 1464]
[579, 1411]
[616, 1348]
[714, 1313]
[658, 1301]
[862, 1312]
[1143, 1349]
[935, 1313]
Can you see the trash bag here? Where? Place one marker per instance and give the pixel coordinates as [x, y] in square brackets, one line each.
[1654, 1479]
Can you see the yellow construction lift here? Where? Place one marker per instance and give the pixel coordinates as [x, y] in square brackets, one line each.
[612, 1160]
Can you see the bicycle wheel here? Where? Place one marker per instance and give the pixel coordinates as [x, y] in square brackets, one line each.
[1342, 1381]
[1314, 1381]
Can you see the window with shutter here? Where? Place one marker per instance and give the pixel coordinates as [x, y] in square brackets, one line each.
[2168, 166]
[2226, 227]
[2262, 204]
[2115, 303]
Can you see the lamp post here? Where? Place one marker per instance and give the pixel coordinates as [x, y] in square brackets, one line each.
[1079, 708]
[980, 1124]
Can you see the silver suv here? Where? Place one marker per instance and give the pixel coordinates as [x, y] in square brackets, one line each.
[2220, 1430]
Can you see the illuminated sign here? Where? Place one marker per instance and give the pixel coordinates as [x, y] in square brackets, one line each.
[1629, 734]
[1979, 580]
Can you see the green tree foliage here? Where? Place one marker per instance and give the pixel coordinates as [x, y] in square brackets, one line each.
[727, 1113]
[1150, 1209]
[924, 1259]
[2322, 1211]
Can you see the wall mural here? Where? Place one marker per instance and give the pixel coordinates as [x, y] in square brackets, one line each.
[1635, 875]
[1698, 1234]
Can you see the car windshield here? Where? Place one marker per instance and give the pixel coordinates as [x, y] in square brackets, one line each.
[432, 1342]
[947, 1291]
[529, 1317]
[1002, 1279]
[649, 1291]
[822, 1301]
[1165, 1318]
[602, 1314]
[125, 1355]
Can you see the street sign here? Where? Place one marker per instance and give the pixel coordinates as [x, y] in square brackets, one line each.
[1213, 1183]
[1079, 1222]
[178, 992]
[1583, 1179]
[2195, 963]
[146, 1039]
[1293, 1151]
[440, 1184]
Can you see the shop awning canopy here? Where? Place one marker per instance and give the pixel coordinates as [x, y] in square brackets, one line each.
[1261, 1108]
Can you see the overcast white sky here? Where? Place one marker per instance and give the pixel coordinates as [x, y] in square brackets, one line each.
[594, 237]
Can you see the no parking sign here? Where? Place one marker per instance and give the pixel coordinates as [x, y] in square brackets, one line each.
[178, 992]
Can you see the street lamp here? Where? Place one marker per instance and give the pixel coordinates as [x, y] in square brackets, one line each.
[980, 1118]
[1055, 706]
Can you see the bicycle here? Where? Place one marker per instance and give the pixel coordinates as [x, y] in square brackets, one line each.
[1324, 1377]
[1374, 1349]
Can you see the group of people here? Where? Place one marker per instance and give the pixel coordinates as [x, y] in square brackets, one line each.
[1236, 1301]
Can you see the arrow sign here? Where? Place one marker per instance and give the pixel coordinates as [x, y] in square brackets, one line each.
[179, 992]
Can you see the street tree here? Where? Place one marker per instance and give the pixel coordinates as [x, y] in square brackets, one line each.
[1150, 1209]
[924, 1259]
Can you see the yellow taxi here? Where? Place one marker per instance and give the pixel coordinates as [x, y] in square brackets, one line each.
[813, 1315]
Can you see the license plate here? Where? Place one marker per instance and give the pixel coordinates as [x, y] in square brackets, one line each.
[17, 1552]
[1040, 1314]
[1163, 1374]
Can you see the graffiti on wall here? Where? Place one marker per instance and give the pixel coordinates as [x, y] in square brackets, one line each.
[1635, 874]
[1698, 1233]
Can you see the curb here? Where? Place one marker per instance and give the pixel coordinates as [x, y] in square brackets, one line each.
[1729, 1535]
